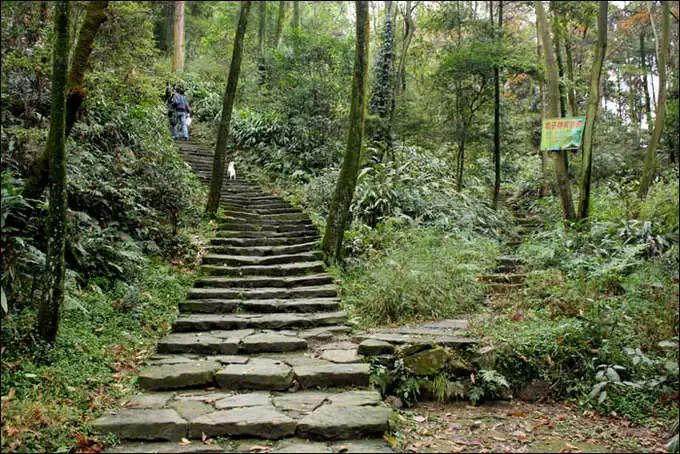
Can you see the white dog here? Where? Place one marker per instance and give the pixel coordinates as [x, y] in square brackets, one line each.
[231, 172]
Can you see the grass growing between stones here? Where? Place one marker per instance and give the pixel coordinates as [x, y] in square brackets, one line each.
[108, 329]
[418, 274]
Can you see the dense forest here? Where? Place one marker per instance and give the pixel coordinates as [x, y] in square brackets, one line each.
[410, 133]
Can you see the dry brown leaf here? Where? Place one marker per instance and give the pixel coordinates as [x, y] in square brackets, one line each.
[184, 442]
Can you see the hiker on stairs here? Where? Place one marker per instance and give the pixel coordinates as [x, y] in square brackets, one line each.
[181, 106]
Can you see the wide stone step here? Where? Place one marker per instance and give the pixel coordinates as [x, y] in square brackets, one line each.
[250, 260]
[278, 320]
[302, 232]
[258, 230]
[261, 250]
[503, 278]
[274, 216]
[285, 269]
[263, 281]
[279, 241]
[286, 445]
[224, 306]
[195, 414]
[245, 205]
[269, 371]
[317, 291]
[230, 342]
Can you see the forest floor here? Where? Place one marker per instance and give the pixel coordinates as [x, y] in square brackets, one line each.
[516, 426]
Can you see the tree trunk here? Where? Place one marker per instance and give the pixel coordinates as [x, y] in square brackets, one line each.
[338, 215]
[279, 24]
[261, 36]
[409, 30]
[461, 162]
[545, 161]
[497, 116]
[591, 111]
[561, 171]
[296, 15]
[382, 98]
[557, 32]
[571, 91]
[178, 54]
[650, 157]
[95, 16]
[50, 307]
[643, 66]
[227, 108]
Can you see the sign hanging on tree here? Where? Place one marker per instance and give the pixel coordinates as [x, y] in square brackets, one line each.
[562, 133]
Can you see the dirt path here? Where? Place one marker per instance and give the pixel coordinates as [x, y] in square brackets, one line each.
[521, 427]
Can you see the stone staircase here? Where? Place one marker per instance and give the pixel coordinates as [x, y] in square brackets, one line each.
[259, 359]
[507, 277]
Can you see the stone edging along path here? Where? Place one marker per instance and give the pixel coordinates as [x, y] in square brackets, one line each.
[259, 357]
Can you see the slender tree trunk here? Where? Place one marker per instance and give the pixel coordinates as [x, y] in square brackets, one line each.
[227, 108]
[279, 24]
[571, 92]
[296, 15]
[591, 111]
[338, 215]
[557, 32]
[545, 161]
[94, 17]
[497, 115]
[561, 170]
[650, 156]
[382, 99]
[50, 307]
[461, 162]
[409, 30]
[261, 37]
[178, 54]
[643, 66]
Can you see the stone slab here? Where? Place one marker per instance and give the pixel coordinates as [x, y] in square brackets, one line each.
[261, 421]
[194, 446]
[272, 342]
[258, 373]
[356, 374]
[372, 347]
[184, 375]
[244, 400]
[332, 422]
[143, 424]
[341, 356]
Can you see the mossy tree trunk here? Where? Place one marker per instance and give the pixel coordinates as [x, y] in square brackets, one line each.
[278, 32]
[497, 115]
[409, 31]
[571, 90]
[227, 108]
[553, 111]
[50, 306]
[178, 34]
[382, 99]
[591, 111]
[556, 23]
[645, 81]
[338, 215]
[296, 15]
[94, 17]
[650, 156]
[261, 37]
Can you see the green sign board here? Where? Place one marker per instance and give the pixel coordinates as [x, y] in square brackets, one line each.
[562, 133]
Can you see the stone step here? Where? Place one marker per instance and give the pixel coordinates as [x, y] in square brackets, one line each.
[230, 342]
[286, 445]
[263, 222]
[277, 320]
[261, 250]
[261, 293]
[246, 205]
[268, 371]
[263, 281]
[224, 306]
[255, 229]
[285, 269]
[241, 198]
[195, 414]
[509, 260]
[268, 233]
[251, 260]
[278, 241]
[504, 288]
[503, 278]
[505, 269]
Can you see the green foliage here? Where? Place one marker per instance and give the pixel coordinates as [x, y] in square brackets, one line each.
[104, 336]
[419, 274]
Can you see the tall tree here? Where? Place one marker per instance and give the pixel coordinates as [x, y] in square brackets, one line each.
[545, 160]
[645, 80]
[296, 15]
[553, 111]
[338, 215]
[409, 30]
[178, 54]
[381, 97]
[50, 306]
[650, 156]
[557, 33]
[571, 90]
[591, 111]
[94, 17]
[227, 108]
[497, 114]
[278, 32]
[261, 30]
